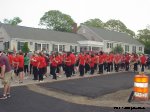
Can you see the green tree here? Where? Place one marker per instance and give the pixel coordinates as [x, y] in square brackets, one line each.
[115, 25]
[144, 38]
[14, 21]
[94, 23]
[130, 32]
[56, 20]
[118, 49]
[25, 48]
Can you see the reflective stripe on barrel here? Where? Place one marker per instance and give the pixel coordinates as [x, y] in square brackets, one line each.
[137, 94]
[142, 85]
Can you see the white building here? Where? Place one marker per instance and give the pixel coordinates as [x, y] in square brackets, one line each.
[14, 37]
[86, 39]
[110, 39]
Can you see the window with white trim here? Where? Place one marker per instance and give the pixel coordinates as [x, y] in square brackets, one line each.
[140, 48]
[6, 45]
[55, 47]
[31, 43]
[95, 48]
[134, 49]
[126, 48]
[20, 45]
[109, 45]
[61, 48]
[37, 46]
[74, 48]
[44, 47]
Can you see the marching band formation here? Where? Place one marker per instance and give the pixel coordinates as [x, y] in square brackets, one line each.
[71, 64]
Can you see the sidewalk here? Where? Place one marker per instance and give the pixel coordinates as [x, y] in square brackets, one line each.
[49, 79]
[63, 77]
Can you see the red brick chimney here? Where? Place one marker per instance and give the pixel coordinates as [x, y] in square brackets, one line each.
[74, 28]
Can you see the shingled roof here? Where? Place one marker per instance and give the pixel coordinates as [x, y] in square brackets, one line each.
[114, 36]
[41, 34]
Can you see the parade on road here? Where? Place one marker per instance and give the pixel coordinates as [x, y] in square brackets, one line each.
[37, 64]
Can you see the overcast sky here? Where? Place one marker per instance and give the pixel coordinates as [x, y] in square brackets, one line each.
[135, 14]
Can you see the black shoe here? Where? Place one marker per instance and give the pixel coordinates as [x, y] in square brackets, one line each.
[3, 97]
[20, 82]
[8, 95]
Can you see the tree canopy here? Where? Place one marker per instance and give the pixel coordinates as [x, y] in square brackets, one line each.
[14, 21]
[117, 49]
[94, 23]
[56, 20]
[112, 24]
[144, 38]
[25, 48]
[115, 25]
[130, 32]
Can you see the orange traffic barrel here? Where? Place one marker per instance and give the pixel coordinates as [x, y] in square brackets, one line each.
[141, 87]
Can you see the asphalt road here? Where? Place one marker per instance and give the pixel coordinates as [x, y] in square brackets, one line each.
[24, 100]
[94, 86]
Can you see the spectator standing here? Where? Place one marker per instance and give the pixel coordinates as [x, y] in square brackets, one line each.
[21, 67]
[81, 64]
[92, 63]
[101, 63]
[148, 62]
[5, 75]
[143, 62]
[68, 65]
[26, 65]
[54, 63]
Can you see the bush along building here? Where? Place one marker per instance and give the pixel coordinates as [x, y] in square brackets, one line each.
[85, 39]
